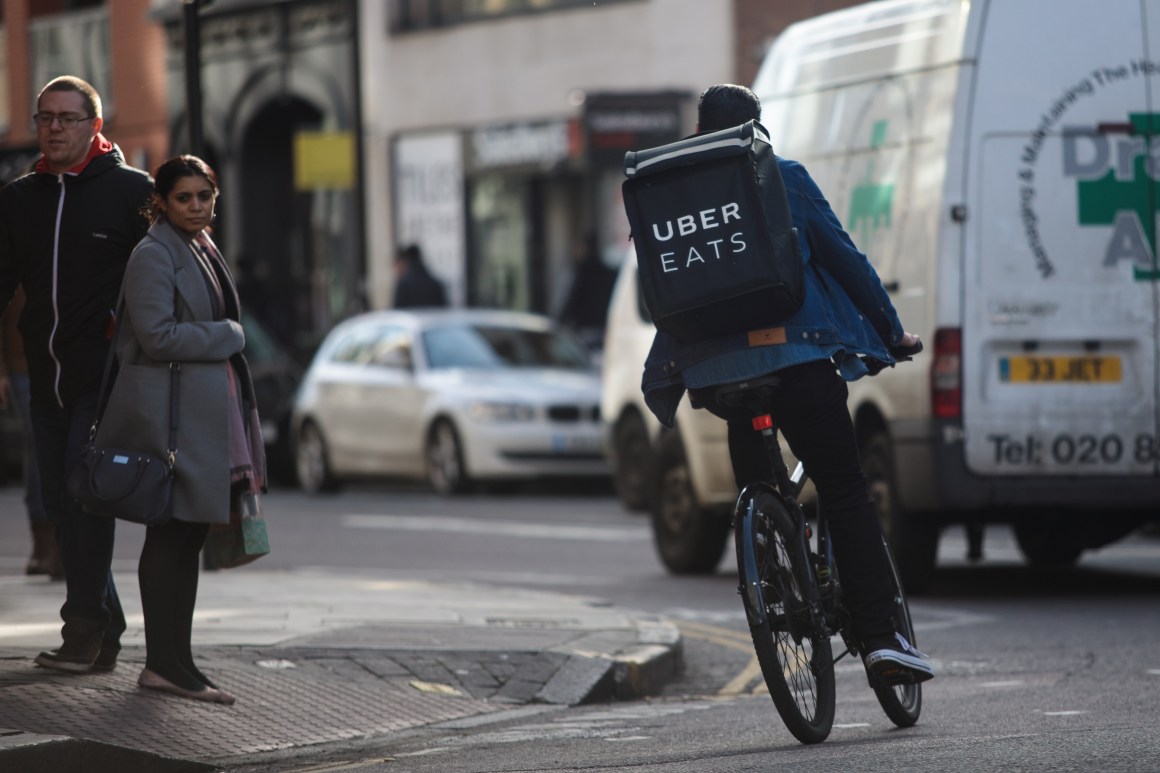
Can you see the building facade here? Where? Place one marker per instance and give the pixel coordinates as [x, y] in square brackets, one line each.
[113, 45]
[495, 130]
[489, 132]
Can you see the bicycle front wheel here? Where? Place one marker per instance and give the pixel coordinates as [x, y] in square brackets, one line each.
[902, 703]
[793, 648]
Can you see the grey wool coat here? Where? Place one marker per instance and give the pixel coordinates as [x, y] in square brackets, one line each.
[168, 317]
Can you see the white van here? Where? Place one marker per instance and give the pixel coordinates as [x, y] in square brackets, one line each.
[994, 160]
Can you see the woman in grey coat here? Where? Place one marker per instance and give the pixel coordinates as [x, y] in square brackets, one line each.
[181, 305]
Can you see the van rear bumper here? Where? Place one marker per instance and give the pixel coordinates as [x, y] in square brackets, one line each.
[932, 475]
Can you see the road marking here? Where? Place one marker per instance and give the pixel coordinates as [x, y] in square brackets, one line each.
[1153, 671]
[740, 683]
[489, 528]
[1063, 713]
[1010, 683]
[851, 725]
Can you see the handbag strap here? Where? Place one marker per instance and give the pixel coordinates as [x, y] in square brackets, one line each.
[102, 394]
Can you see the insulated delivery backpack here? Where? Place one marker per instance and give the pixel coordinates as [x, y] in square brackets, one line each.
[714, 255]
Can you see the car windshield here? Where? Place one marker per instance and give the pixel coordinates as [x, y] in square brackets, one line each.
[493, 346]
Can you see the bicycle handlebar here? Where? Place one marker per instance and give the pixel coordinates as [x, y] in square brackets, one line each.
[899, 353]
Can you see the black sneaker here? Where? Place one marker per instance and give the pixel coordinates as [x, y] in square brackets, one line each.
[106, 659]
[894, 663]
[71, 657]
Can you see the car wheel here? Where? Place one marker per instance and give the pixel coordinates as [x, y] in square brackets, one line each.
[913, 536]
[1047, 540]
[630, 440]
[446, 471]
[689, 539]
[311, 462]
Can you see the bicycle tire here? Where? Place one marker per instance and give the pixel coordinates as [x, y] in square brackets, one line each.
[902, 703]
[794, 654]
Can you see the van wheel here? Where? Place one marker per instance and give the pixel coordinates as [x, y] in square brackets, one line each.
[630, 441]
[1047, 540]
[689, 540]
[913, 536]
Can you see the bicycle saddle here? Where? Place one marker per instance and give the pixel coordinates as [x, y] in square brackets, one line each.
[752, 393]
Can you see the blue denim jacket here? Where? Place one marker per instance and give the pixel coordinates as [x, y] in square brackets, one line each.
[846, 313]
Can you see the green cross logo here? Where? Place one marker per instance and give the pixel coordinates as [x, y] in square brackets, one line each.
[871, 203]
[1128, 205]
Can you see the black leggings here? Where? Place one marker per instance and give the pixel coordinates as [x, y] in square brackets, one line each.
[812, 415]
[168, 573]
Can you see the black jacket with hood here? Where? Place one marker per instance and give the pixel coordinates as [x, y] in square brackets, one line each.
[67, 237]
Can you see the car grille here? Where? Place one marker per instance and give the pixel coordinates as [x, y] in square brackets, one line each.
[573, 413]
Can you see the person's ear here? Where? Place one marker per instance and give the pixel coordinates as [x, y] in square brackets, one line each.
[98, 124]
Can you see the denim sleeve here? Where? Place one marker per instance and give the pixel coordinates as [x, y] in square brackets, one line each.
[834, 250]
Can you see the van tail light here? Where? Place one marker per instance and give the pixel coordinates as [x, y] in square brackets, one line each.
[946, 374]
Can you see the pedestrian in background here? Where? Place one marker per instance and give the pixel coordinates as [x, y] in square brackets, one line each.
[586, 309]
[66, 231]
[415, 286]
[181, 305]
[45, 558]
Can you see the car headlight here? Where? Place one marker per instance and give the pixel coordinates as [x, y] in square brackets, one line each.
[490, 411]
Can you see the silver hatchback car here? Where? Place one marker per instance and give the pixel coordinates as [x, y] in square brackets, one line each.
[453, 396]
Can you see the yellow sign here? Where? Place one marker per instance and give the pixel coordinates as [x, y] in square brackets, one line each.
[1071, 370]
[323, 160]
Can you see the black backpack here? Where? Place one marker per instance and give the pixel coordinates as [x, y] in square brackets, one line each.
[714, 256]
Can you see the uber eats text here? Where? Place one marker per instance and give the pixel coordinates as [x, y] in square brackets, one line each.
[704, 220]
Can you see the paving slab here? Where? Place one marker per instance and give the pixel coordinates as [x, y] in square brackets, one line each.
[316, 658]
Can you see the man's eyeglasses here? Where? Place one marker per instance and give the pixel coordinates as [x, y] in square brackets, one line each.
[67, 120]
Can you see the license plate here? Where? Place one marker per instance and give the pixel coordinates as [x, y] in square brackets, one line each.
[566, 444]
[1060, 369]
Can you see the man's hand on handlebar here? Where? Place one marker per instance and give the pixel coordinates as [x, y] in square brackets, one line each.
[908, 346]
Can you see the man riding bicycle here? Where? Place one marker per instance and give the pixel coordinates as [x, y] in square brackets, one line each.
[846, 315]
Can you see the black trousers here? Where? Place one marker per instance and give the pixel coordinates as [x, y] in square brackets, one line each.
[92, 609]
[810, 410]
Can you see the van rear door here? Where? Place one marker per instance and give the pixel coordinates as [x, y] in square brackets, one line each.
[1060, 306]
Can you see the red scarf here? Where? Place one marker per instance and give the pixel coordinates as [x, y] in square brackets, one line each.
[99, 147]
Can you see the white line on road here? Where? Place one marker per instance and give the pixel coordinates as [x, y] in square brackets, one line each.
[488, 528]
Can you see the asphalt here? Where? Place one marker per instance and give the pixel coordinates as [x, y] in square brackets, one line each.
[315, 659]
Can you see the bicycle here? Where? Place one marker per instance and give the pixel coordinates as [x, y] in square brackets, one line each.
[791, 590]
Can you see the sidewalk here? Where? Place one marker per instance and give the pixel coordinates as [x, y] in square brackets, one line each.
[314, 658]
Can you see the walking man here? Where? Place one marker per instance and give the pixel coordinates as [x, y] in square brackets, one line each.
[66, 231]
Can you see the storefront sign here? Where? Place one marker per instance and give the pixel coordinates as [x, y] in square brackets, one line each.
[429, 204]
[526, 144]
[323, 160]
[616, 123]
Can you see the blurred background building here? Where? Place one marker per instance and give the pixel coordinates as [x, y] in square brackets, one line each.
[489, 132]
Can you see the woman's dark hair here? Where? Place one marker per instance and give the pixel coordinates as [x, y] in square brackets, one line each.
[167, 175]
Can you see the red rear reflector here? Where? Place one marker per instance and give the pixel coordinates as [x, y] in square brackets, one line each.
[946, 374]
[762, 422]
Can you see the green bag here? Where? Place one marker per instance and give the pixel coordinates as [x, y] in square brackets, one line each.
[242, 540]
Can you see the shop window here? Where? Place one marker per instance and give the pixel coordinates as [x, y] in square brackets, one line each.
[74, 42]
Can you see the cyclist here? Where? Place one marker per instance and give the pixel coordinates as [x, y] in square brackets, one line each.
[846, 313]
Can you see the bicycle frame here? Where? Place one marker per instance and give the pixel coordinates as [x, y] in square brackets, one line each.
[788, 487]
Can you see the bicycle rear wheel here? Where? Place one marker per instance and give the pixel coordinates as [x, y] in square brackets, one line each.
[792, 647]
[902, 703]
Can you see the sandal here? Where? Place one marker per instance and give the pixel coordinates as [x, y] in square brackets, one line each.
[151, 680]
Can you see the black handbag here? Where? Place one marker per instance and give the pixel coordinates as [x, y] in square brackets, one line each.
[130, 485]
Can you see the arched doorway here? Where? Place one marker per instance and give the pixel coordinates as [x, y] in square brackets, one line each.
[279, 259]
